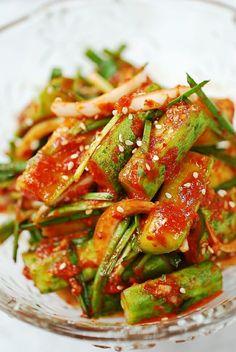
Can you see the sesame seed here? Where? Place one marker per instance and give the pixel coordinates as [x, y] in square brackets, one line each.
[65, 177]
[86, 168]
[182, 290]
[128, 142]
[187, 185]
[148, 167]
[88, 211]
[130, 117]
[58, 99]
[184, 246]
[120, 287]
[231, 204]
[164, 318]
[74, 156]
[86, 147]
[120, 138]
[195, 174]
[162, 222]
[34, 145]
[82, 126]
[64, 142]
[114, 112]
[210, 250]
[121, 148]
[155, 158]
[62, 266]
[81, 148]
[134, 150]
[124, 110]
[70, 165]
[203, 191]
[120, 209]
[168, 195]
[28, 122]
[139, 143]
[222, 192]
[223, 145]
[158, 127]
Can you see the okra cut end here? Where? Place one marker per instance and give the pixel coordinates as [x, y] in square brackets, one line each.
[170, 294]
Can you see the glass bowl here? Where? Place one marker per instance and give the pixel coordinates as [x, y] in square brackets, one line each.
[175, 37]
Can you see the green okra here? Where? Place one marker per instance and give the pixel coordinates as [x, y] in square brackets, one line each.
[150, 266]
[224, 226]
[40, 268]
[171, 138]
[171, 293]
[170, 221]
[87, 258]
[40, 273]
[116, 149]
[111, 304]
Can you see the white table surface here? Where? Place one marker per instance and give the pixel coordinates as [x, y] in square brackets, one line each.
[16, 336]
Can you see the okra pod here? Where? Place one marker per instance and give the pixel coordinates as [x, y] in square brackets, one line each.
[115, 150]
[171, 138]
[167, 295]
[169, 222]
[151, 266]
[39, 270]
[50, 172]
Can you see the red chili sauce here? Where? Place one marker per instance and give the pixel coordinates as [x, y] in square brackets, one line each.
[47, 172]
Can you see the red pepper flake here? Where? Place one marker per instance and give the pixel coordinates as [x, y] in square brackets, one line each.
[124, 101]
[167, 289]
[217, 204]
[106, 108]
[171, 164]
[151, 104]
[114, 285]
[65, 269]
[26, 273]
[137, 126]
[76, 288]
[172, 219]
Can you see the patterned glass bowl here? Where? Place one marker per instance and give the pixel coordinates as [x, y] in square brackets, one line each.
[174, 37]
